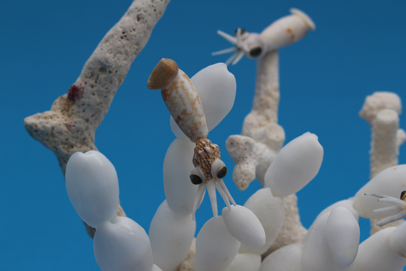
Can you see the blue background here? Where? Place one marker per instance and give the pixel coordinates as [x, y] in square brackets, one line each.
[357, 49]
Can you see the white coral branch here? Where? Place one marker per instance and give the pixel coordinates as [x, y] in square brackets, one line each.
[381, 110]
[71, 123]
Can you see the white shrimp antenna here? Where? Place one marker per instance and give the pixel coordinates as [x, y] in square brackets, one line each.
[239, 47]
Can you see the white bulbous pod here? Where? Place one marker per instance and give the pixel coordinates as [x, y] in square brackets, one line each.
[347, 203]
[342, 233]
[389, 182]
[271, 213]
[122, 245]
[286, 258]
[375, 253]
[316, 251]
[92, 186]
[246, 262]
[215, 246]
[217, 88]
[296, 164]
[171, 235]
[180, 193]
[156, 268]
[397, 240]
[244, 226]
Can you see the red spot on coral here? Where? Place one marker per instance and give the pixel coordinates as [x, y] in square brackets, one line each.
[75, 92]
[69, 126]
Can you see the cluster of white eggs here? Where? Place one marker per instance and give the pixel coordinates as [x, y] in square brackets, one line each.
[120, 243]
[236, 239]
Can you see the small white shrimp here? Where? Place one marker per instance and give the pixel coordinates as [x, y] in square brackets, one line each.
[184, 104]
[282, 32]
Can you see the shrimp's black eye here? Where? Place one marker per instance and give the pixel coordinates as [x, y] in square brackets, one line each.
[218, 169]
[195, 179]
[197, 176]
[255, 52]
[222, 172]
[403, 195]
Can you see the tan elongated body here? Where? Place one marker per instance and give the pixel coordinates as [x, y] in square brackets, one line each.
[183, 102]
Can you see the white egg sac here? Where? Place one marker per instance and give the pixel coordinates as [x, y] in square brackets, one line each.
[171, 235]
[297, 163]
[180, 193]
[122, 245]
[347, 203]
[375, 253]
[155, 268]
[389, 182]
[316, 251]
[397, 240]
[244, 226]
[271, 213]
[92, 186]
[342, 233]
[246, 262]
[217, 88]
[286, 258]
[215, 246]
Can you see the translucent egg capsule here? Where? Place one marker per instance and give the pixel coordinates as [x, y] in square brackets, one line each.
[377, 252]
[180, 193]
[271, 213]
[246, 262]
[215, 246]
[296, 164]
[342, 233]
[92, 186]
[171, 235]
[286, 258]
[122, 245]
[244, 226]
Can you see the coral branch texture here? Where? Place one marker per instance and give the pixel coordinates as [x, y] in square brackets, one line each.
[381, 110]
[260, 142]
[262, 137]
[71, 123]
